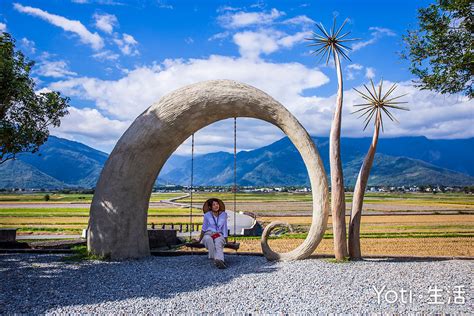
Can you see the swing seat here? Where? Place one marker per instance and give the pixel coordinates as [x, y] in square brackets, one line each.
[197, 244]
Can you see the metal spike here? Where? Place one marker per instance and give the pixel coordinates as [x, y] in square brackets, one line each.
[340, 28]
[369, 118]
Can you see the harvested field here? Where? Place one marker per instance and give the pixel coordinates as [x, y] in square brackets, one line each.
[451, 247]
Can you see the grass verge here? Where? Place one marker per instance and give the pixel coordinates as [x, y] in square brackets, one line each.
[82, 254]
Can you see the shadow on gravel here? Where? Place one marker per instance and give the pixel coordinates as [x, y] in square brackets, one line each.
[38, 283]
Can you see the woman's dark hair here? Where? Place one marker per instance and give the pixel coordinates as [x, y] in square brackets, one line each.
[210, 201]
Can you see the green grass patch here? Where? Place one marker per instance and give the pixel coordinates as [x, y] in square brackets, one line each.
[82, 254]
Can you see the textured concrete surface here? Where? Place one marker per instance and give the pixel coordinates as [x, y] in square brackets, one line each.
[119, 208]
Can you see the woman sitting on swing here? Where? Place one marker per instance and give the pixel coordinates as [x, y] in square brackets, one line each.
[214, 231]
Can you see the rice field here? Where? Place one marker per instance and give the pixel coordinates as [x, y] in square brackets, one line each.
[441, 224]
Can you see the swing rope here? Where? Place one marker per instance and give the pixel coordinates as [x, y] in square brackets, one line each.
[235, 174]
[233, 245]
[191, 189]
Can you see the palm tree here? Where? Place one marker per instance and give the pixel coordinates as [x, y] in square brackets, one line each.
[376, 105]
[331, 43]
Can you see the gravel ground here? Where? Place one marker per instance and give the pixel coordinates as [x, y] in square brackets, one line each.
[190, 284]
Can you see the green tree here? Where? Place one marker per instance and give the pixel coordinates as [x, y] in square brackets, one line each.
[440, 52]
[24, 114]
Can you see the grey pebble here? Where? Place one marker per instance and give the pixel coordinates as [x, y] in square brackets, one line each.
[45, 284]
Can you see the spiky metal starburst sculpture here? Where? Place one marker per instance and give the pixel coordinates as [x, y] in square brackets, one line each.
[331, 43]
[378, 104]
[327, 44]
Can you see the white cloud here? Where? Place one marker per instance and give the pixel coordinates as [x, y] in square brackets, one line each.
[126, 98]
[352, 70]
[118, 102]
[431, 115]
[369, 73]
[246, 19]
[91, 127]
[106, 55]
[358, 45]
[300, 20]
[28, 45]
[127, 45]
[291, 40]
[105, 22]
[219, 36]
[355, 66]
[377, 33]
[188, 40]
[53, 69]
[76, 27]
[3, 27]
[252, 44]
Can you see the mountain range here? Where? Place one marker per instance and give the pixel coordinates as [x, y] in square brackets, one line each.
[62, 163]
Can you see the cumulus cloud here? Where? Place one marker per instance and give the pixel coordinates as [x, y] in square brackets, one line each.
[254, 43]
[105, 22]
[3, 27]
[376, 34]
[126, 98]
[73, 26]
[240, 19]
[91, 127]
[127, 45]
[119, 101]
[431, 115]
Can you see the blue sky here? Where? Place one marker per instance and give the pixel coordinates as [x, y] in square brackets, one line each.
[115, 58]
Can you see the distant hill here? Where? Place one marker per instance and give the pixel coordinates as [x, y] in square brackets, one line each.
[280, 163]
[60, 163]
[399, 161]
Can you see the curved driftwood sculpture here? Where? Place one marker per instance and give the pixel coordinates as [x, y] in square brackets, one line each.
[118, 214]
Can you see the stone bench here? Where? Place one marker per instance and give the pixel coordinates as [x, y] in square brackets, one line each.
[157, 237]
[163, 238]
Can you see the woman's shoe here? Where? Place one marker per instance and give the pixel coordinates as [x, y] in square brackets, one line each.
[220, 264]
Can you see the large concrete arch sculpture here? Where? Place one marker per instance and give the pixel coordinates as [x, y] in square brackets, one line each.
[118, 214]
